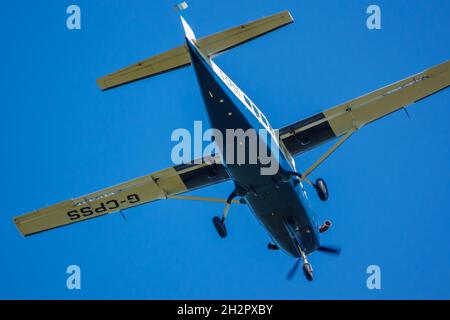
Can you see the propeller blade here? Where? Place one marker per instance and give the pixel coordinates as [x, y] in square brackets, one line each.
[293, 271]
[329, 249]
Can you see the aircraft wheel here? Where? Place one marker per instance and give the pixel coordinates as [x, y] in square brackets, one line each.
[307, 270]
[220, 227]
[322, 189]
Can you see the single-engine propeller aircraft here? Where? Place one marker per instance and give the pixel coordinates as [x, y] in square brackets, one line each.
[279, 201]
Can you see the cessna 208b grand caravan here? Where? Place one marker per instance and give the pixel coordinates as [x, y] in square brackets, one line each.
[279, 201]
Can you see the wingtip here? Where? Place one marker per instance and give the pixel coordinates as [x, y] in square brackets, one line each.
[18, 226]
[290, 17]
[101, 84]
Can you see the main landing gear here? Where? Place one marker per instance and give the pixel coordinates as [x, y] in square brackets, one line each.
[320, 185]
[321, 189]
[219, 223]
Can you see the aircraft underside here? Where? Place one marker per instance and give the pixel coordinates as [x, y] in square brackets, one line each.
[278, 200]
[274, 199]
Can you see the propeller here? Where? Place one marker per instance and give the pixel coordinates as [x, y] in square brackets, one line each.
[293, 271]
[325, 249]
[329, 249]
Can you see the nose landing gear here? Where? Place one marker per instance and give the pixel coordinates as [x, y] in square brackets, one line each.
[293, 230]
[307, 267]
[308, 272]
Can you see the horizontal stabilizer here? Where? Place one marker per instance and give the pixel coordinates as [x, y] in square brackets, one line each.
[210, 46]
[167, 61]
[225, 40]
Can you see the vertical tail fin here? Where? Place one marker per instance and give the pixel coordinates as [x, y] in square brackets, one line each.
[188, 31]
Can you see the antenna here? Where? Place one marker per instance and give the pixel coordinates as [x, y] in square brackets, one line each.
[123, 215]
[407, 113]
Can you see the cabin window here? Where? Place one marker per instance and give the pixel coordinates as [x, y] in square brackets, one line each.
[247, 101]
[264, 120]
[258, 114]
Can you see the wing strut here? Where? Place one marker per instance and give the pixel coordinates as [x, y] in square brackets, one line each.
[193, 198]
[314, 166]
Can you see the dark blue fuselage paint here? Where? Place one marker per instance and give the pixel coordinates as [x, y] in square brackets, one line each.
[279, 203]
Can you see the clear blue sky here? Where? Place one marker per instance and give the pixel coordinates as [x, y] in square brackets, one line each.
[61, 137]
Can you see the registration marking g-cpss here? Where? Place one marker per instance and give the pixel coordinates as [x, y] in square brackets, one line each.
[114, 204]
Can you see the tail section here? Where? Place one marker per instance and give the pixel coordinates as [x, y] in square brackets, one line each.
[208, 46]
[187, 30]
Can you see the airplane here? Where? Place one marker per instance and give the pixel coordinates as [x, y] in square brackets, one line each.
[278, 201]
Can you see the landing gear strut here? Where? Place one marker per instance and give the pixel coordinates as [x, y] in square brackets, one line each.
[219, 223]
[293, 230]
[307, 267]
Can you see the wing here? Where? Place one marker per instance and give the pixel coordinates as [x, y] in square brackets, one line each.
[155, 186]
[311, 132]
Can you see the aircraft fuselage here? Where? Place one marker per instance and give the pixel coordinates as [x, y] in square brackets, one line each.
[279, 203]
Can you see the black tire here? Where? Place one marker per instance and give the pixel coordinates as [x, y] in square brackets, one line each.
[307, 270]
[220, 227]
[322, 189]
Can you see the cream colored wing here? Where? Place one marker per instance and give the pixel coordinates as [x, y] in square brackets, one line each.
[167, 61]
[209, 45]
[352, 115]
[228, 39]
[159, 185]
